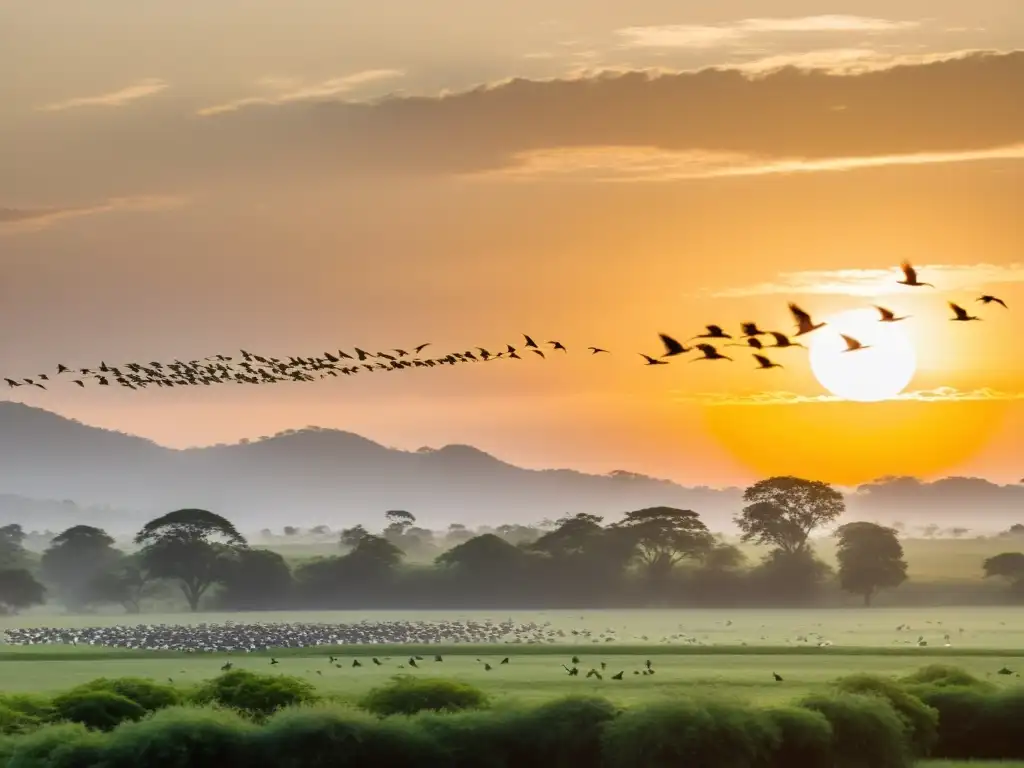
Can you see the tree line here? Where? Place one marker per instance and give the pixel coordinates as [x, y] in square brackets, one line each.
[658, 556]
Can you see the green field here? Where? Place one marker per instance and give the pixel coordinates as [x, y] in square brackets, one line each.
[731, 653]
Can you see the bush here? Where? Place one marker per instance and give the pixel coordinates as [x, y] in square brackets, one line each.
[944, 675]
[147, 694]
[257, 695]
[475, 739]
[68, 745]
[407, 695]
[920, 720]
[997, 733]
[36, 707]
[686, 732]
[565, 732]
[102, 710]
[12, 721]
[960, 709]
[805, 739]
[182, 737]
[331, 737]
[866, 731]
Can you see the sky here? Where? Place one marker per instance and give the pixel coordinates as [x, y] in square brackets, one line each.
[184, 179]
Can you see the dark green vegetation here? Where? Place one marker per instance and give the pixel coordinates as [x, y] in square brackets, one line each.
[658, 556]
[246, 718]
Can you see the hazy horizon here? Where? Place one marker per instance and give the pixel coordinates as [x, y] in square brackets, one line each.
[319, 175]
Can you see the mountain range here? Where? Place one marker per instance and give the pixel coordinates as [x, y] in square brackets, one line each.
[56, 472]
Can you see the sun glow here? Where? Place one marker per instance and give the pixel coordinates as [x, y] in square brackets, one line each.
[881, 370]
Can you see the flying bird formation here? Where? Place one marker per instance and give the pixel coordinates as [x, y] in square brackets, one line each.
[247, 367]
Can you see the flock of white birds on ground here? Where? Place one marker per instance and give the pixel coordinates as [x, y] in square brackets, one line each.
[250, 368]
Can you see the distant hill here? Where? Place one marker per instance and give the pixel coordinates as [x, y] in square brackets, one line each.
[315, 476]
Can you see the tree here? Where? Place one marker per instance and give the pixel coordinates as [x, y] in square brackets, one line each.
[1008, 566]
[256, 579]
[350, 537]
[127, 583]
[320, 530]
[19, 589]
[398, 521]
[75, 560]
[870, 558]
[12, 546]
[958, 532]
[457, 533]
[487, 558]
[290, 530]
[664, 536]
[190, 546]
[783, 511]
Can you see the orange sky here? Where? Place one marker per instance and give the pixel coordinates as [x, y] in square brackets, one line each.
[163, 205]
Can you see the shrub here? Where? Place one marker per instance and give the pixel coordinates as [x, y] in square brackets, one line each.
[686, 732]
[257, 695]
[997, 733]
[68, 745]
[36, 707]
[147, 694]
[920, 720]
[331, 737]
[475, 738]
[102, 710]
[805, 739]
[944, 675]
[960, 709]
[182, 737]
[866, 731]
[407, 695]
[12, 721]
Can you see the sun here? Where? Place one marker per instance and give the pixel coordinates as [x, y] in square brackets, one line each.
[880, 372]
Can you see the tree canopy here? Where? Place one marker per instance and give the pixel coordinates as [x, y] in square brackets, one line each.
[74, 563]
[664, 535]
[783, 511]
[870, 558]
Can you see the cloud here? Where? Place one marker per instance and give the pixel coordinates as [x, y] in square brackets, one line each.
[712, 36]
[288, 89]
[140, 90]
[651, 164]
[879, 282]
[35, 219]
[937, 395]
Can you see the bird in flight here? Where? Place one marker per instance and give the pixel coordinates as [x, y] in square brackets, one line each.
[652, 360]
[960, 314]
[672, 347]
[597, 350]
[910, 276]
[782, 341]
[804, 323]
[888, 316]
[557, 345]
[852, 345]
[530, 342]
[713, 332]
[763, 363]
[751, 329]
[986, 299]
[710, 353]
[749, 341]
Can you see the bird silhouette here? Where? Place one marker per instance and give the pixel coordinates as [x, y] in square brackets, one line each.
[751, 329]
[557, 345]
[986, 299]
[852, 345]
[650, 360]
[804, 323]
[888, 316]
[910, 276]
[672, 347]
[530, 342]
[763, 363]
[777, 676]
[782, 341]
[713, 332]
[960, 314]
[710, 353]
[749, 341]
[597, 350]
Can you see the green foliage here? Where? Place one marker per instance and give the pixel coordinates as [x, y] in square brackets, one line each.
[688, 732]
[23, 712]
[76, 563]
[100, 709]
[870, 558]
[960, 710]
[183, 737]
[68, 745]
[19, 589]
[564, 733]
[944, 675]
[407, 695]
[805, 739]
[254, 694]
[866, 731]
[920, 720]
[782, 512]
[147, 694]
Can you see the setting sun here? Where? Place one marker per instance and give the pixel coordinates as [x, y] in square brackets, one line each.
[880, 370]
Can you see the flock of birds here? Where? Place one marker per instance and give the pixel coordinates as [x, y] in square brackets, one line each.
[250, 368]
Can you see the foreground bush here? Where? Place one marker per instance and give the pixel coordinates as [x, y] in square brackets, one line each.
[69, 745]
[147, 694]
[866, 731]
[920, 720]
[689, 732]
[257, 695]
[103, 710]
[944, 675]
[407, 695]
[805, 739]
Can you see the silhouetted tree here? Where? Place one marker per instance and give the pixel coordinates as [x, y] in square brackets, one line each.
[291, 530]
[1008, 566]
[870, 558]
[12, 547]
[19, 589]
[398, 521]
[664, 536]
[485, 563]
[75, 560]
[255, 579]
[127, 583]
[350, 537]
[783, 511]
[319, 530]
[190, 546]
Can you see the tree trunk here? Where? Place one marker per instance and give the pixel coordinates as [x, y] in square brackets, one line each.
[868, 594]
[193, 592]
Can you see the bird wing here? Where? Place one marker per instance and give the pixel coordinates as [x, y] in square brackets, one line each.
[909, 272]
[672, 346]
[762, 360]
[799, 314]
[851, 343]
[958, 310]
[886, 314]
